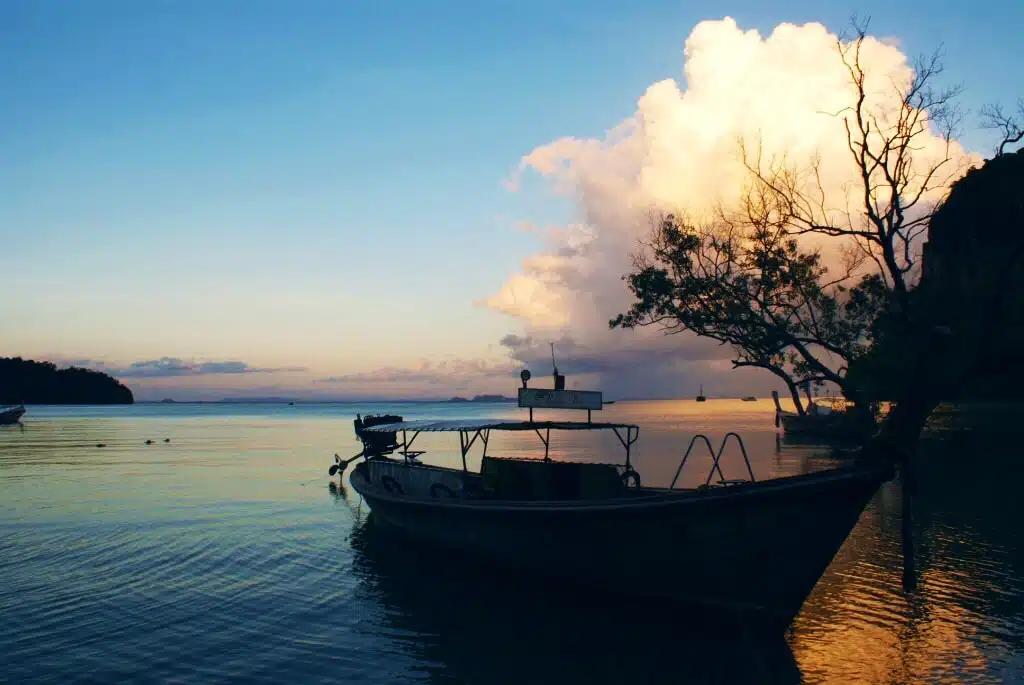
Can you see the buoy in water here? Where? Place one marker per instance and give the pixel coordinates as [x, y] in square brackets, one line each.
[167, 439]
[149, 442]
[100, 444]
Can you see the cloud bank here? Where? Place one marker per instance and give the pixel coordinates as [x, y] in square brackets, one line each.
[680, 151]
[428, 379]
[175, 367]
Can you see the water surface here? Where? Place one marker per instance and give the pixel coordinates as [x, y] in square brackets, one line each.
[227, 555]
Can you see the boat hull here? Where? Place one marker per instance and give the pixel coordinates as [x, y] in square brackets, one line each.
[831, 427]
[756, 549]
[11, 416]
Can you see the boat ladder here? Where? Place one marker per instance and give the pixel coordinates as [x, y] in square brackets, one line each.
[716, 458]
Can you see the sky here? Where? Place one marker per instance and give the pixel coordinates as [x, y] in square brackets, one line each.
[397, 199]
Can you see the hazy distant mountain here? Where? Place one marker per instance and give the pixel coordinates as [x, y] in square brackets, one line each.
[484, 398]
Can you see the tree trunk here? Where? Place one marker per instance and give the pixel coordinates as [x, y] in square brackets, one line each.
[896, 439]
[896, 443]
[795, 394]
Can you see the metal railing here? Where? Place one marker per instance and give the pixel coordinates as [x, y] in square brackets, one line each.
[716, 459]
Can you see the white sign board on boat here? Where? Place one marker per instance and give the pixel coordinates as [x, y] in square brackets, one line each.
[541, 398]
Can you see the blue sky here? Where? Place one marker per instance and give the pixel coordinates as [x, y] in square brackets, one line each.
[319, 184]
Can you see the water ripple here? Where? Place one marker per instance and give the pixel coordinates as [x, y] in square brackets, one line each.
[222, 557]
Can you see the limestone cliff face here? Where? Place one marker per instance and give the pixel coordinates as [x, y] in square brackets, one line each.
[973, 273]
[979, 227]
[964, 334]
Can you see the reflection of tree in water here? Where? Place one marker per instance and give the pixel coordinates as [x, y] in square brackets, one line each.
[475, 626]
[965, 621]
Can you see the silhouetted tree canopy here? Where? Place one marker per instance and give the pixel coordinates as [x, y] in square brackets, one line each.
[32, 382]
[747, 283]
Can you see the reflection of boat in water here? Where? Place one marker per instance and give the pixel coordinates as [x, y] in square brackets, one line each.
[755, 548]
[11, 415]
[473, 624]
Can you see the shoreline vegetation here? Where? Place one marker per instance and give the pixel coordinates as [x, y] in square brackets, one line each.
[24, 381]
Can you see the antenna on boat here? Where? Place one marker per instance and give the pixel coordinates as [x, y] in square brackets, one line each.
[559, 378]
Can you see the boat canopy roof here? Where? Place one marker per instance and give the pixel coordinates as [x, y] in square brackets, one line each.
[459, 425]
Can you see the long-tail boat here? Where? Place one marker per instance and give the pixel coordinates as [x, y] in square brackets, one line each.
[754, 548]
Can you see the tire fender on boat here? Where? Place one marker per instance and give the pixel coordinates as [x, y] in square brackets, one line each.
[438, 489]
[391, 485]
[631, 475]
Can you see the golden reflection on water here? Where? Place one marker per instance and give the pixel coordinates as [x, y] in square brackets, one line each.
[963, 625]
[859, 627]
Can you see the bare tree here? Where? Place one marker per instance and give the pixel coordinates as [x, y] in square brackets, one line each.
[897, 189]
[1009, 126]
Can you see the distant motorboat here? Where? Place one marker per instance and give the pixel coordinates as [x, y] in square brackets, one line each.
[11, 415]
[750, 398]
[700, 397]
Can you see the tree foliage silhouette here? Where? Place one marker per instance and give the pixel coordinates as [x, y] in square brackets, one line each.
[32, 382]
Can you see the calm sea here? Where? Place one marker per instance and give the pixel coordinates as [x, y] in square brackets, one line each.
[228, 555]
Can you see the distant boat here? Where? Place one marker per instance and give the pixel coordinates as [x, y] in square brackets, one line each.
[11, 415]
[750, 398]
[700, 397]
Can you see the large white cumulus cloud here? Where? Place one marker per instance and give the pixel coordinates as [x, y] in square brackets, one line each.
[680, 150]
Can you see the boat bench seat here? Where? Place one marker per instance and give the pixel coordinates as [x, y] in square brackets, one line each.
[533, 479]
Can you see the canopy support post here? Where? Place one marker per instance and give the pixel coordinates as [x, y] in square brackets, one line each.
[407, 443]
[465, 443]
[632, 435]
[546, 439]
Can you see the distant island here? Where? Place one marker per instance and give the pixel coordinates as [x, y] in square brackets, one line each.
[23, 381]
[484, 398]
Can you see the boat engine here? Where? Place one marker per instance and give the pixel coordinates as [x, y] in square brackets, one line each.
[374, 444]
[377, 444]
